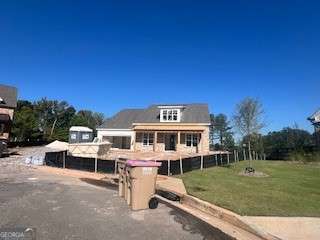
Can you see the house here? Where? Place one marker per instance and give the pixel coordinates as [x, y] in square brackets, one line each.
[8, 102]
[315, 120]
[182, 128]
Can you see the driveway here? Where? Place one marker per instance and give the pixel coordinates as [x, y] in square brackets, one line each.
[63, 207]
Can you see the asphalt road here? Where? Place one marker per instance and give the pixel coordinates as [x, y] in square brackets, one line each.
[61, 207]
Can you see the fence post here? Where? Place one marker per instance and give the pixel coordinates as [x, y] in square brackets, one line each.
[181, 170]
[168, 167]
[115, 165]
[95, 164]
[64, 159]
[244, 155]
[228, 158]
[201, 159]
[216, 158]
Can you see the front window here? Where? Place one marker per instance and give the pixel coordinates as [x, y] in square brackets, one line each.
[192, 140]
[147, 139]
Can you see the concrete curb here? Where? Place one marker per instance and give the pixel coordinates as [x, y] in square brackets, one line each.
[226, 216]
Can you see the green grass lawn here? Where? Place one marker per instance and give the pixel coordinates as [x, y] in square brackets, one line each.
[291, 189]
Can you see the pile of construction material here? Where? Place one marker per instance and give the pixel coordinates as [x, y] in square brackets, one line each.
[37, 157]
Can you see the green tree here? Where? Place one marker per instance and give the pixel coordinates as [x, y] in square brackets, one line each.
[25, 126]
[221, 131]
[290, 139]
[87, 118]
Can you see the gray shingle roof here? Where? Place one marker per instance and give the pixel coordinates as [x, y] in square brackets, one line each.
[9, 96]
[191, 113]
[122, 120]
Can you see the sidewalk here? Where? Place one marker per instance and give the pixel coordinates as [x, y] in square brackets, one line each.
[289, 228]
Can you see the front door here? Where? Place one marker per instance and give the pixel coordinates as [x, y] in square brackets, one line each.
[170, 142]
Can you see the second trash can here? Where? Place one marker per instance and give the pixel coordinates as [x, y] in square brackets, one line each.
[141, 178]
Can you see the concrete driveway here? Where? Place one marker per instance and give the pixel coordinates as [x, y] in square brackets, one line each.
[63, 207]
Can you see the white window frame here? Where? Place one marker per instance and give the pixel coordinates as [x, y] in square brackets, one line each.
[149, 137]
[194, 139]
[170, 115]
[73, 136]
[85, 136]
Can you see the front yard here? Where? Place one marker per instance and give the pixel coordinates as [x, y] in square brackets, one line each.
[291, 189]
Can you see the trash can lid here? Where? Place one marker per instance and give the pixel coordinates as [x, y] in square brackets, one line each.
[142, 163]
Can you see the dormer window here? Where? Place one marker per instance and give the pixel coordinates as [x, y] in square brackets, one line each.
[170, 115]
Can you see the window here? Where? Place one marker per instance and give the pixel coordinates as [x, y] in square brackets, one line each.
[192, 140]
[147, 139]
[164, 115]
[170, 115]
[85, 136]
[73, 136]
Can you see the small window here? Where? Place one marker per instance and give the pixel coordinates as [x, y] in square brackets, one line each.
[175, 115]
[192, 140]
[164, 115]
[85, 136]
[147, 139]
[73, 136]
[170, 115]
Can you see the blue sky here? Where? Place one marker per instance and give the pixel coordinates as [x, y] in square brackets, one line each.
[109, 55]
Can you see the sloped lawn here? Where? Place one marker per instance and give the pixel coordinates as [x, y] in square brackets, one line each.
[291, 189]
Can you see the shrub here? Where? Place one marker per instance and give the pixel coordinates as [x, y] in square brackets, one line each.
[304, 157]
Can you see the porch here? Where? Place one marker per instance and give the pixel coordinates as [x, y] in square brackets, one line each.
[177, 142]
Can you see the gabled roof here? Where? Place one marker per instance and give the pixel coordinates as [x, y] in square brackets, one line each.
[8, 96]
[122, 120]
[191, 113]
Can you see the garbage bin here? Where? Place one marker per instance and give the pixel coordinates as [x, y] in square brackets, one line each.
[122, 177]
[141, 180]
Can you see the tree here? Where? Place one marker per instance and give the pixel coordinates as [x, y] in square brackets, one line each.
[25, 125]
[248, 119]
[221, 131]
[288, 139]
[87, 118]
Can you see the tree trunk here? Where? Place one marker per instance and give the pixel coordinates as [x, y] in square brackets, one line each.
[250, 156]
[53, 126]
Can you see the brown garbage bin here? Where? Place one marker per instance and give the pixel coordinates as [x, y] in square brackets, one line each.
[122, 177]
[141, 182]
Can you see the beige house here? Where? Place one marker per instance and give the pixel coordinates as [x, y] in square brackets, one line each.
[182, 128]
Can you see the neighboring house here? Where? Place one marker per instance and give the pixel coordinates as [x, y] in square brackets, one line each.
[8, 102]
[315, 120]
[181, 127]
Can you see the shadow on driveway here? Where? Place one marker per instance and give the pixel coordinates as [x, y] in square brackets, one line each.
[100, 183]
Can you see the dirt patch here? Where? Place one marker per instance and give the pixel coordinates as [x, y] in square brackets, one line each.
[253, 174]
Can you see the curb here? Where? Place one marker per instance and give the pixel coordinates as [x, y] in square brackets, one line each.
[226, 215]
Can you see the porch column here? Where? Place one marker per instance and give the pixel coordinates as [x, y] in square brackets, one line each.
[178, 142]
[201, 142]
[133, 140]
[155, 141]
